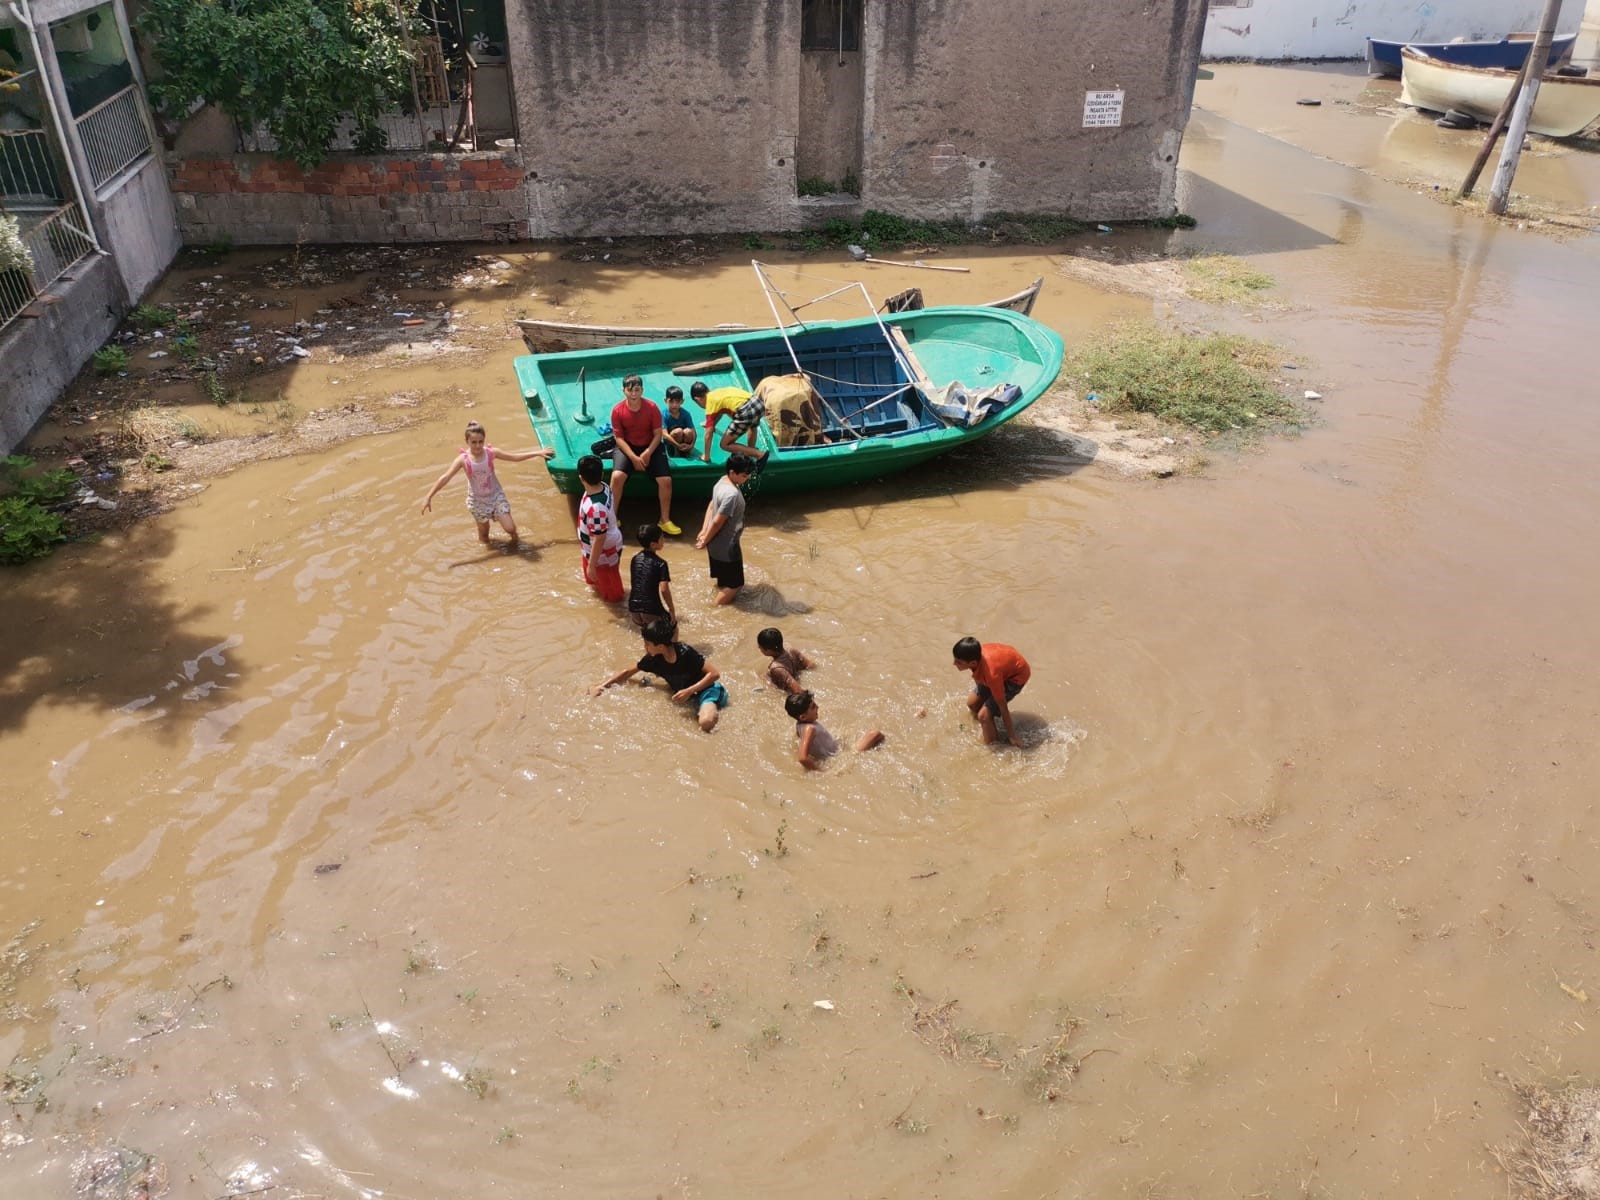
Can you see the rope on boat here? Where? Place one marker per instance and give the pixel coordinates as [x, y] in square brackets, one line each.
[771, 290]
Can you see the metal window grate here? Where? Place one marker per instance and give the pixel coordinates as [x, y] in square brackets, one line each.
[55, 240]
[114, 135]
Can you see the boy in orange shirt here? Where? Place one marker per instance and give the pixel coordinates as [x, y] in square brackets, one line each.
[998, 674]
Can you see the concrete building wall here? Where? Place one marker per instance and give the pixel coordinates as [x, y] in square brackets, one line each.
[979, 108]
[1340, 28]
[140, 228]
[43, 353]
[255, 199]
[686, 115]
[669, 117]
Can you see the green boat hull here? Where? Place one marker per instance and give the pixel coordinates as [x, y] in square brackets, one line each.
[569, 396]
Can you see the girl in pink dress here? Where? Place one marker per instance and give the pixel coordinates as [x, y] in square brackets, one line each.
[485, 498]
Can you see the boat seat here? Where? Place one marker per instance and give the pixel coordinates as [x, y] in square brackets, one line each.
[918, 375]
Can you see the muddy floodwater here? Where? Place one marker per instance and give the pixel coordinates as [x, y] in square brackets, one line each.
[324, 873]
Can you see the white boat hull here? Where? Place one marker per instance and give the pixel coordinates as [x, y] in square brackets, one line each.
[1566, 106]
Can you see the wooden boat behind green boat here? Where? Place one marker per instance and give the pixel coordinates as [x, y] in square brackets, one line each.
[879, 392]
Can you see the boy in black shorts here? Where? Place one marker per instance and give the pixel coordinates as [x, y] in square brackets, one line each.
[724, 523]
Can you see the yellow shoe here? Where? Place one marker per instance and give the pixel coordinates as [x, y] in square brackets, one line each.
[668, 528]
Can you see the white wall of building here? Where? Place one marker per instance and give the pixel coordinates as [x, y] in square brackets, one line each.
[1340, 28]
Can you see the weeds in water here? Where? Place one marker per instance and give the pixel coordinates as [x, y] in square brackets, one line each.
[419, 959]
[477, 1080]
[594, 1066]
[147, 317]
[1215, 383]
[779, 847]
[215, 390]
[110, 360]
[1223, 279]
[506, 1136]
[156, 461]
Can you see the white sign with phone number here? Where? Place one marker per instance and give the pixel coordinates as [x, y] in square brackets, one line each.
[1102, 109]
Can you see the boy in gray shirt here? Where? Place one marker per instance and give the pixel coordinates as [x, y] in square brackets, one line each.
[719, 535]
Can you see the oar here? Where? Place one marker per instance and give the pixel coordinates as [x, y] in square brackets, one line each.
[860, 255]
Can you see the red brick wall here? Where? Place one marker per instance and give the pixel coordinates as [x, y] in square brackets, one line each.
[257, 199]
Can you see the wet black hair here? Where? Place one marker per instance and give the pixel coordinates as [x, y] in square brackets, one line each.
[674, 393]
[660, 632]
[629, 380]
[739, 464]
[649, 534]
[699, 390]
[591, 469]
[796, 703]
[968, 649]
[770, 638]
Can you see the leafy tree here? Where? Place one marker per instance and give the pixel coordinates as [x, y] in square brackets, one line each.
[296, 66]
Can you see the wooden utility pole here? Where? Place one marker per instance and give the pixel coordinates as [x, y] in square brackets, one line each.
[1538, 59]
[1496, 129]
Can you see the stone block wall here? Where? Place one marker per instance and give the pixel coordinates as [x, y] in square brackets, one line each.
[686, 115]
[255, 199]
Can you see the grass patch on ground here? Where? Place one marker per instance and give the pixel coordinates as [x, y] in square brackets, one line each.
[885, 231]
[1223, 279]
[1216, 383]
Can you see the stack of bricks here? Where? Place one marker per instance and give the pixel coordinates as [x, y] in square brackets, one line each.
[255, 199]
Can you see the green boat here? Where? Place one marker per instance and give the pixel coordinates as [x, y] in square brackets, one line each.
[896, 390]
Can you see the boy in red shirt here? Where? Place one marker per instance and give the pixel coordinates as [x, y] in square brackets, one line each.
[636, 426]
[998, 674]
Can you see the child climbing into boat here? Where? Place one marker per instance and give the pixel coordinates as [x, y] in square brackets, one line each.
[745, 412]
[486, 499]
[816, 743]
[650, 597]
[598, 535]
[690, 677]
[998, 674]
[677, 426]
[783, 672]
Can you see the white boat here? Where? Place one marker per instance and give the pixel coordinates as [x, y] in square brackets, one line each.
[1567, 105]
[545, 337]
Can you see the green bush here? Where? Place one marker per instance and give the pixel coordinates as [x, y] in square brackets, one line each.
[27, 531]
[108, 360]
[151, 316]
[815, 185]
[296, 66]
[838, 231]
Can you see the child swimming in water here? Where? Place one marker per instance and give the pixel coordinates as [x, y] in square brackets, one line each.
[816, 743]
[485, 498]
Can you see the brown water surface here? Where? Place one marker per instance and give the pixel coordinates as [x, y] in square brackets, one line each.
[1292, 871]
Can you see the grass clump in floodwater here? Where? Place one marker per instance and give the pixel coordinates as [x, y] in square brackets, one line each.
[1223, 279]
[1215, 383]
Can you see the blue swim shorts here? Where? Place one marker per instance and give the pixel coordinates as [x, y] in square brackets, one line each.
[715, 694]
